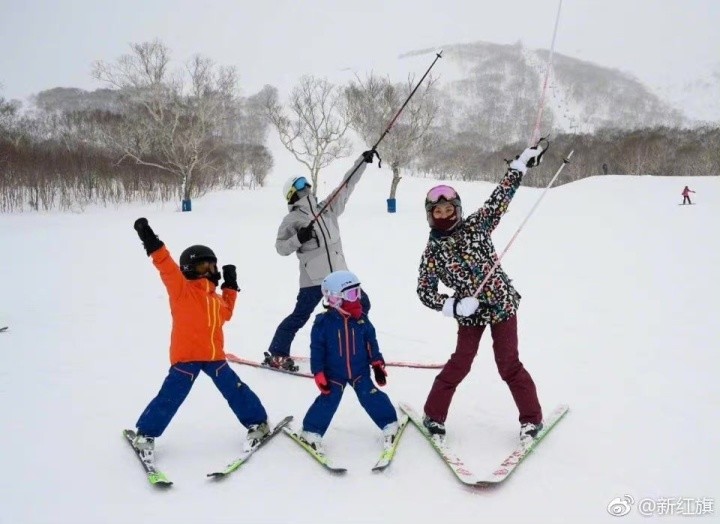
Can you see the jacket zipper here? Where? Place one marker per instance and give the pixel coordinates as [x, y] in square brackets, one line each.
[327, 249]
[347, 347]
[211, 307]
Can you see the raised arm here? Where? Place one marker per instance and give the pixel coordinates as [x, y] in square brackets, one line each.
[489, 215]
[230, 290]
[170, 272]
[341, 194]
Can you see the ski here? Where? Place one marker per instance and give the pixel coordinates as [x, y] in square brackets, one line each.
[304, 364]
[238, 360]
[235, 464]
[418, 365]
[388, 454]
[154, 475]
[455, 463]
[3, 329]
[319, 457]
[507, 466]
[393, 363]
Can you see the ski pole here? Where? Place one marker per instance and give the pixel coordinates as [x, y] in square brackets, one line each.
[334, 194]
[533, 140]
[538, 119]
[512, 239]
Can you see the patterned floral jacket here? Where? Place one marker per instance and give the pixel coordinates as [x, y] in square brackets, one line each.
[461, 260]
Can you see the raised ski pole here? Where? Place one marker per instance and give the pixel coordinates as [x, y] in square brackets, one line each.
[533, 140]
[334, 194]
[538, 120]
[542, 195]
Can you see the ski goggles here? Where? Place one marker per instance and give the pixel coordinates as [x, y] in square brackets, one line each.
[441, 192]
[300, 184]
[350, 294]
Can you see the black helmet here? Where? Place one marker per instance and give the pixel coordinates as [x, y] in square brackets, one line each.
[192, 256]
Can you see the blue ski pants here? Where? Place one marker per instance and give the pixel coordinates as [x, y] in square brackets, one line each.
[180, 379]
[307, 300]
[376, 403]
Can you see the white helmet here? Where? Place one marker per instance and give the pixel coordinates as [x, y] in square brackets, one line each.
[339, 286]
[293, 185]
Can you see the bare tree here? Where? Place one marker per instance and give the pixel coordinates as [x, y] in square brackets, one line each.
[173, 121]
[9, 110]
[373, 102]
[315, 132]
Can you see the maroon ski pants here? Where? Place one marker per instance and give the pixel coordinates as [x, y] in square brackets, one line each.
[505, 347]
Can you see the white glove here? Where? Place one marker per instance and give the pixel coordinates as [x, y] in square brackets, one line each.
[447, 309]
[531, 157]
[467, 306]
[464, 308]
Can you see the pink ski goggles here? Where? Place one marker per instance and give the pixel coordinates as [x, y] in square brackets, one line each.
[351, 295]
[441, 192]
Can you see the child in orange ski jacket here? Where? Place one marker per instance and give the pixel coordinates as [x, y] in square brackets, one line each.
[196, 340]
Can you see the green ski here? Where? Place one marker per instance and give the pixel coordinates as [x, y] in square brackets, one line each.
[388, 454]
[154, 475]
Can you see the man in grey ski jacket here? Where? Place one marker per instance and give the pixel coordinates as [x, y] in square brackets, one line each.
[315, 237]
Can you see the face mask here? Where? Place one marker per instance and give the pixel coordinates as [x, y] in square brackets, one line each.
[445, 224]
[214, 277]
[353, 308]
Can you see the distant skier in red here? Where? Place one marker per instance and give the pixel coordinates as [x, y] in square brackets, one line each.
[686, 195]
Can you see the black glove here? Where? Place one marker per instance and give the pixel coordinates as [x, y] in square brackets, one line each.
[149, 239]
[369, 155]
[378, 368]
[305, 233]
[229, 275]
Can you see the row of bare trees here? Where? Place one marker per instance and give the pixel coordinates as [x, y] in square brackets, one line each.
[660, 151]
[156, 134]
[161, 134]
[313, 125]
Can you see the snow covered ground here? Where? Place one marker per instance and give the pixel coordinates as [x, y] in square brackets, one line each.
[618, 319]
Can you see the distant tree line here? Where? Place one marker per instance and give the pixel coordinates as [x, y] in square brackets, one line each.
[157, 134]
[660, 151]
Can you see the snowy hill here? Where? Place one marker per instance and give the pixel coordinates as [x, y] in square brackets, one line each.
[582, 97]
[620, 299]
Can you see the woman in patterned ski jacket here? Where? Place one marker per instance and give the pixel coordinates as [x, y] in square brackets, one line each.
[460, 253]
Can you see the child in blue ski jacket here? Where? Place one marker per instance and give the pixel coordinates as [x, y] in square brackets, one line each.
[343, 349]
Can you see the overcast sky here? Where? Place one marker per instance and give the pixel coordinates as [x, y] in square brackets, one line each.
[53, 43]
